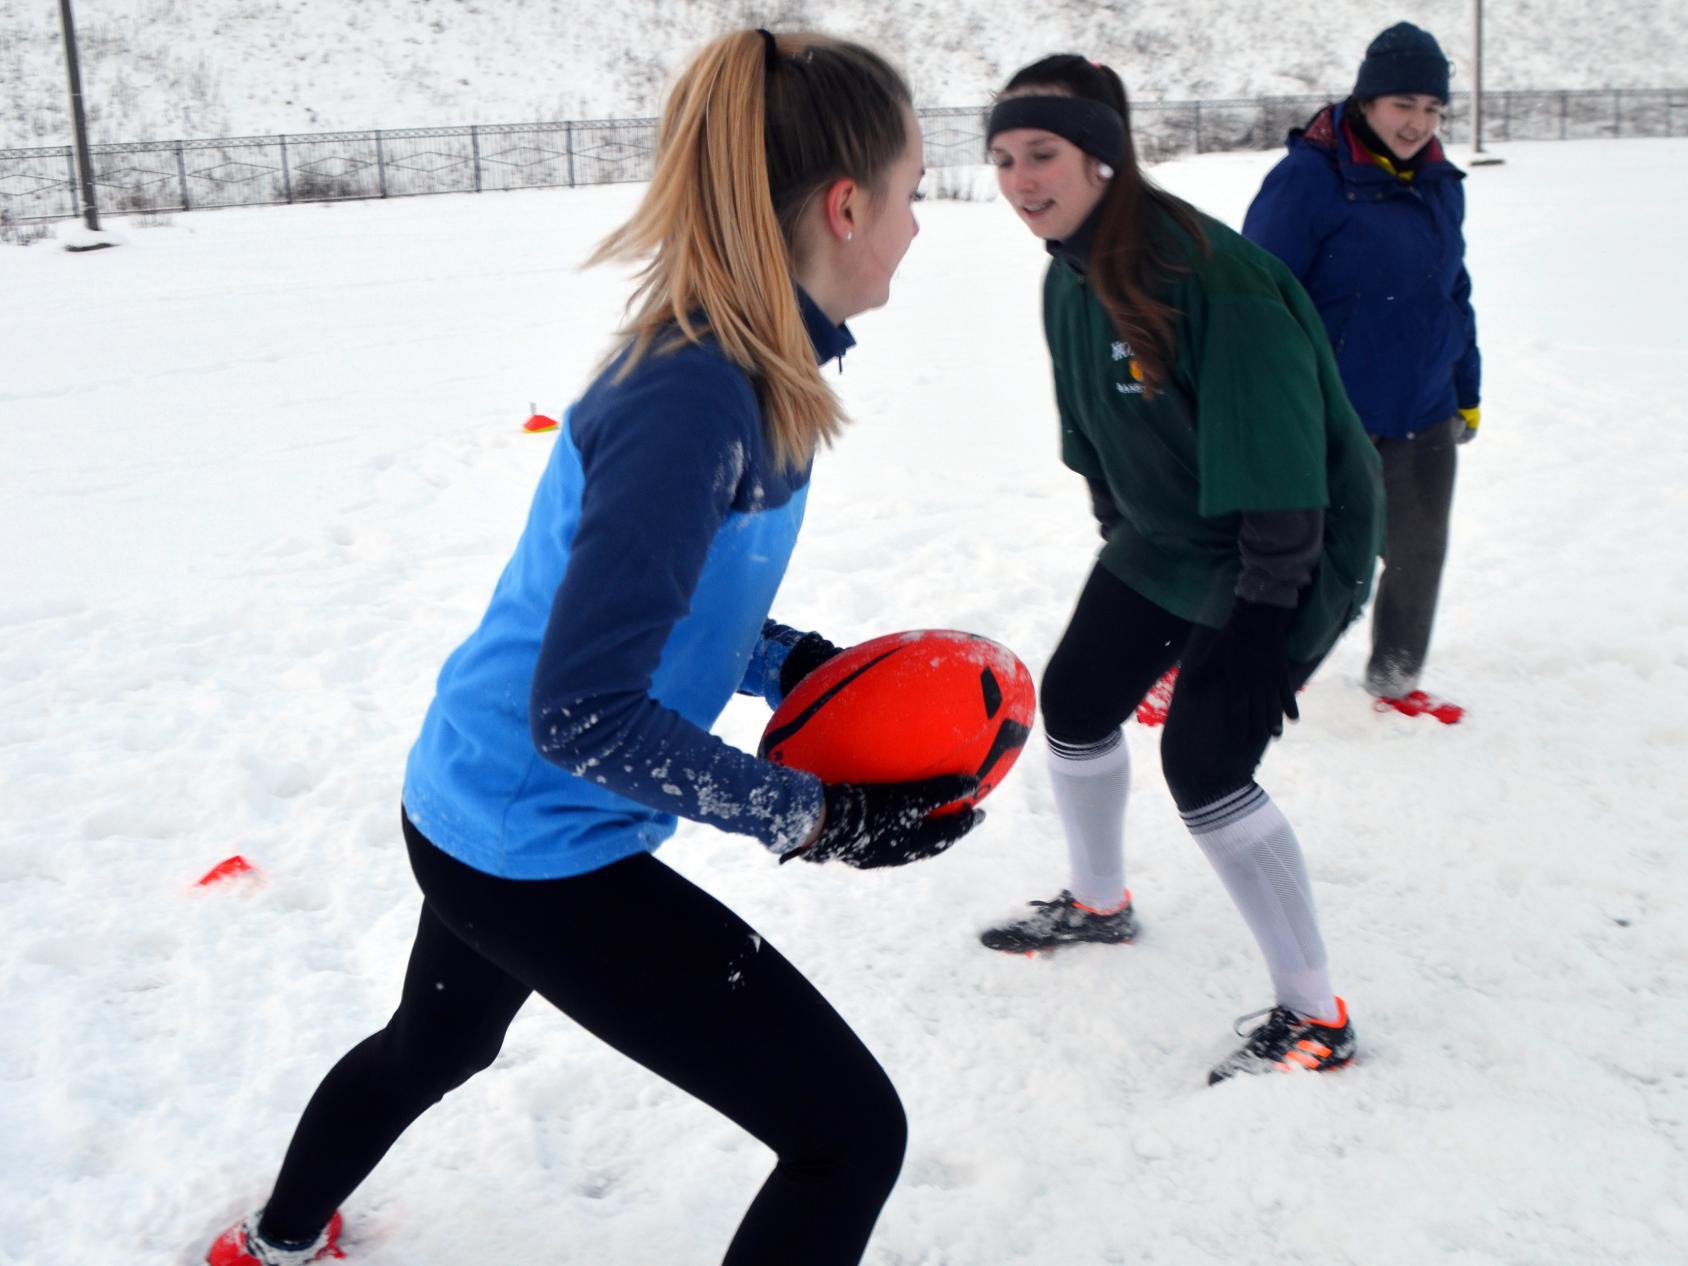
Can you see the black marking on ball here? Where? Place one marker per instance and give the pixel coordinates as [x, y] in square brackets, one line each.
[993, 692]
[774, 738]
[1011, 737]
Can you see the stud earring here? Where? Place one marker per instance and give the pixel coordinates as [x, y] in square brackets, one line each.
[1104, 171]
[849, 235]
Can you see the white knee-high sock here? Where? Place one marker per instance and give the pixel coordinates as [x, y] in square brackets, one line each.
[1254, 849]
[1090, 785]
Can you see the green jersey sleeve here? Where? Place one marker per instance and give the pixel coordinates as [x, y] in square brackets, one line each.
[1260, 409]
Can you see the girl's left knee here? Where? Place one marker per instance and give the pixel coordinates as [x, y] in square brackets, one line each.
[1200, 764]
[864, 1135]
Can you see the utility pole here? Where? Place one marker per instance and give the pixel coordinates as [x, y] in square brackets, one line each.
[1478, 157]
[79, 121]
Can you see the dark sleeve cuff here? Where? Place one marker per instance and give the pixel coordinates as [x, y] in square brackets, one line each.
[1279, 550]
[1102, 506]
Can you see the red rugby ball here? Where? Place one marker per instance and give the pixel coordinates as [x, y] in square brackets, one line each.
[907, 706]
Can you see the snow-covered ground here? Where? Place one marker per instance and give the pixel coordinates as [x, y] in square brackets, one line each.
[258, 472]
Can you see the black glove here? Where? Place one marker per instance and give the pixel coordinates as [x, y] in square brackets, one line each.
[1246, 661]
[1103, 507]
[808, 653]
[869, 825]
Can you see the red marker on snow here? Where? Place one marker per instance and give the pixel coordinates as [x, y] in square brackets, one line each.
[538, 423]
[1420, 704]
[228, 868]
[1155, 705]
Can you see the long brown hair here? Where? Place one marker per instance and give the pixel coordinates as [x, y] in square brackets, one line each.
[1129, 261]
[755, 127]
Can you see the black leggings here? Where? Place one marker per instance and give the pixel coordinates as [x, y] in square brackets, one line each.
[664, 973]
[1116, 646]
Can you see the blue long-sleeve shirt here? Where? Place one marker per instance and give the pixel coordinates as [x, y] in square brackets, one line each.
[571, 729]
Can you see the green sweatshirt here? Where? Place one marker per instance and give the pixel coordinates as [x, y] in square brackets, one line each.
[1254, 419]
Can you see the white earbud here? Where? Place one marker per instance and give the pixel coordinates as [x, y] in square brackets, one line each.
[1104, 171]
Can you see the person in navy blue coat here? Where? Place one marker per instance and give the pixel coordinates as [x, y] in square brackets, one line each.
[1367, 211]
[570, 732]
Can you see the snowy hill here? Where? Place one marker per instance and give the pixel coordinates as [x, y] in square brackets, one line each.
[193, 68]
[259, 470]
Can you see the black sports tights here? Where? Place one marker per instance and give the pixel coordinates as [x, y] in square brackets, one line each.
[664, 973]
[1116, 646]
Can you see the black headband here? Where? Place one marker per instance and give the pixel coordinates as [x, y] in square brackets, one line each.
[771, 54]
[1095, 128]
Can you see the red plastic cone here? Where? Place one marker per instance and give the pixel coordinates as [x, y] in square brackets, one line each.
[538, 423]
[228, 868]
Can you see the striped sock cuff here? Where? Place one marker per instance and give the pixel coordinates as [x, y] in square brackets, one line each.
[1229, 808]
[1086, 751]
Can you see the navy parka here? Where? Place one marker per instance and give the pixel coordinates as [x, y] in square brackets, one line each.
[1384, 262]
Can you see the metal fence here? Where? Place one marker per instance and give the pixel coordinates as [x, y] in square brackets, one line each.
[40, 184]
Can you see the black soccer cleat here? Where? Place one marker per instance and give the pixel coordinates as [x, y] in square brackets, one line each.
[1286, 1040]
[1063, 921]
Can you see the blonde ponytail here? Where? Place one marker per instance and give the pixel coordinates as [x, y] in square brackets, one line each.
[715, 228]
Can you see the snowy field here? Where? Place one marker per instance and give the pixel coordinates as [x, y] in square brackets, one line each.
[258, 472]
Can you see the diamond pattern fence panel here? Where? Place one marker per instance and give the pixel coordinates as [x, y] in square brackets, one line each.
[612, 152]
[424, 160]
[1165, 129]
[954, 137]
[40, 183]
[231, 172]
[140, 181]
[329, 166]
[36, 184]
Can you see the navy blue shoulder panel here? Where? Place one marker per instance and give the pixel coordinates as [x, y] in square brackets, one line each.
[689, 400]
[669, 455]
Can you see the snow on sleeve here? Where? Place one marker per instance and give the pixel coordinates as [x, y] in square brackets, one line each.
[662, 462]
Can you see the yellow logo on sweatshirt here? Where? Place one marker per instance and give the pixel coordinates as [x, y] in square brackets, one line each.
[1122, 351]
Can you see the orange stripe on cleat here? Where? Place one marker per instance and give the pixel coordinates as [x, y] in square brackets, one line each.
[1339, 1021]
[1104, 913]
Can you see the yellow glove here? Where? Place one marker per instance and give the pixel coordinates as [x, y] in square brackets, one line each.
[1471, 416]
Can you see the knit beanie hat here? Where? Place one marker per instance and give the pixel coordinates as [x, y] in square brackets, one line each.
[1404, 58]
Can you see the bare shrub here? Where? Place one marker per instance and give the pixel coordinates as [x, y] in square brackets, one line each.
[15, 232]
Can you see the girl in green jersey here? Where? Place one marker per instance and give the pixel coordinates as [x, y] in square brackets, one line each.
[1240, 504]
